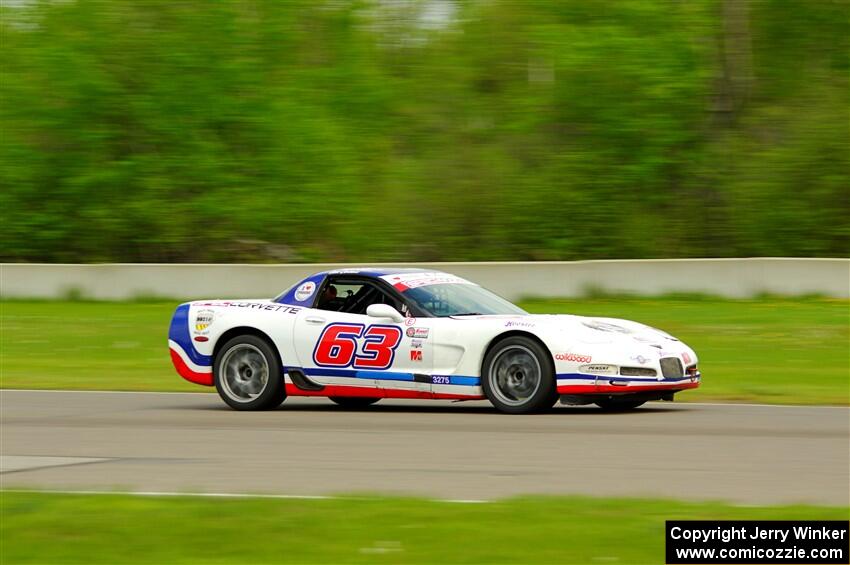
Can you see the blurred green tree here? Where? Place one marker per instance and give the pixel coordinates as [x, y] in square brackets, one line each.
[371, 130]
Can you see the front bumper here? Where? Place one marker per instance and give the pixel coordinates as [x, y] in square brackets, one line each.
[591, 384]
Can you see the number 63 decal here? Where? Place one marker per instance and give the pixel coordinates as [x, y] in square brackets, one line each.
[338, 346]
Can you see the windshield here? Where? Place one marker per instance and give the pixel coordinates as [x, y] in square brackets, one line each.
[459, 300]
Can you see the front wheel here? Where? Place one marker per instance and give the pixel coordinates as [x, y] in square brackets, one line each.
[354, 401]
[247, 374]
[519, 377]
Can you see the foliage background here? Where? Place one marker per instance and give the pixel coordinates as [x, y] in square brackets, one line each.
[385, 130]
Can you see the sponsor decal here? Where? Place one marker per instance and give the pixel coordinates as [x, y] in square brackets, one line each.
[416, 355]
[419, 333]
[416, 344]
[255, 306]
[201, 338]
[410, 321]
[305, 291]
[514, 324]
[204, 320]
[574, 357]
[639, 358]
[599, 369]
[686, 358]
[406, 281]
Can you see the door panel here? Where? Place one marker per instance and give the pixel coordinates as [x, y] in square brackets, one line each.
[338, 349]
[338, 344]
[327, 344]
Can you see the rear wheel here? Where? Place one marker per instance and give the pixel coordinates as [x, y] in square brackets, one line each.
[354, 401]
[518, 376]
[247, 374]
[613, 405]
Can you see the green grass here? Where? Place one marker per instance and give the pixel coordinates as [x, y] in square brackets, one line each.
[774, 350]
[61, 528]
[88, 346]
[794, 351]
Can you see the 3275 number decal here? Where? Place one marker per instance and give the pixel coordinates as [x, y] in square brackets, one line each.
[338, 346]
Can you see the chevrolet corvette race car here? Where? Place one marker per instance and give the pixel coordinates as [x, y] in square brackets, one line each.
[359, 335]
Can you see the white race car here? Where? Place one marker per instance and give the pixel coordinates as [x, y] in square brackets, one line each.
[359, 335]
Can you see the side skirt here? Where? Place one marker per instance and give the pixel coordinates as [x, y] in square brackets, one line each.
[300, 380]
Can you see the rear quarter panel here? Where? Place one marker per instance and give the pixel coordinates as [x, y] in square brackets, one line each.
[199, 327]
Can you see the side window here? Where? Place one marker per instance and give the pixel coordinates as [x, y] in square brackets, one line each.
[353, 297]
[336, 294]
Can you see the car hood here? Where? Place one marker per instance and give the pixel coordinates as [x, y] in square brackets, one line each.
[583, 329]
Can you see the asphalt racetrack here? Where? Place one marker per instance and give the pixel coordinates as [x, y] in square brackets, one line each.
[172, 442]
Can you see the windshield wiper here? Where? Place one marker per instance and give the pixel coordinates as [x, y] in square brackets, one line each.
[468, 314]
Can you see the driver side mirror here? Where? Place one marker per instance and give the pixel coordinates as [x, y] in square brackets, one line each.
[384, 311]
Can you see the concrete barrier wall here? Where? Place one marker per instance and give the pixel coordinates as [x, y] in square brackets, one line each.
[734, 278]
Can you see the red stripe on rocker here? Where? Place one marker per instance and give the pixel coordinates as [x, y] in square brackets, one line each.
[369, 392]
[334, 390]
[395, 393]
[576, 389]
[446, 396]
[192, 376]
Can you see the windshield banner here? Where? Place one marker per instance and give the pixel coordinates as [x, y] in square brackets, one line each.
[406, 281]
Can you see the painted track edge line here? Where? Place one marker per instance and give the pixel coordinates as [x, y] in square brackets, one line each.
[234, 495]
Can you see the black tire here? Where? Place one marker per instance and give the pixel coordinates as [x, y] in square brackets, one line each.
[354, 401]
[613, 405]
[238, 369]
[518, 376]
